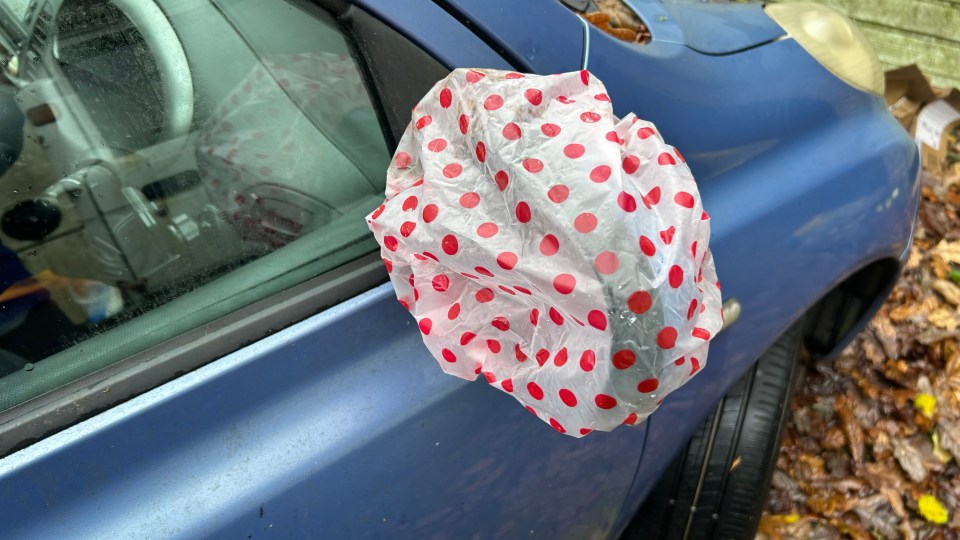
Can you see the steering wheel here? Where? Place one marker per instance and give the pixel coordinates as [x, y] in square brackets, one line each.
[171, 61]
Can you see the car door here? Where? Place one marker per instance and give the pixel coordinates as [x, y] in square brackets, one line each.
[214, 350]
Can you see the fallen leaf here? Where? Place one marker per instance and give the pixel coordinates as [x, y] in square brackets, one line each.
[944, 318]
[948, 251]
[948, 289]
[932, 510]
[910, 460]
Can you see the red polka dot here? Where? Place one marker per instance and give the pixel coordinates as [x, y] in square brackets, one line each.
[694, 366]
[676, 276]
[645, 132]
[565, 100]
[532, 410]
[605, 402]
[535, 391]
[446, 98]
[584, 76]
[549, 245]
[652, 197]
[533, 165]
[606, 262]
[679, 155]
[555, 316]
[488, 229]
[506, 384]
[448, 355]
[390, 243]
[561, 357]
[518, 352]
[542, 356]
[667, 235]
[624, 358]
[481, 152]
[507, 260]
[692, 310]
[484, 295]
[464, 123]
[441, 282]
[454, 311]
[558, 193]
[639, 302]
[567, 397]
[470, 199]
[693, 249]
[524, 290]
[437, 145]
[452, 170]
[626, 201]
[613, 137]
[483, 271]
[667, 338]
[474, 76]
[523, 212]
[602, 97]
[500, 323]
[507, 290]
[585, 431]
[557, 426]
[410, 203]
[704, 216]
[511, 132]
[493, 345]
[501, 179]
[534, 96]
[590, 117]
[406, 228]
[631, 419]
[684, 199]
[425, 325]
[378, 211]
[679, 361]
[430, 212]
[597, 319]
[513, 75]
[600, 173]
[388, 264]
[585, 222]
[430, 255]
[666, 159]
[648, 386]
[701, 333]
[550, 130]
[534, 316]
[424, 121]
[493, 102]
[588, 360]
[491, 378]
[573, 151]
[402, 160]
[630, 164]
[564, 283]
[449, 244]
[404, 304]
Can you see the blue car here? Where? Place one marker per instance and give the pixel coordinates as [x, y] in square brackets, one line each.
[197, 335]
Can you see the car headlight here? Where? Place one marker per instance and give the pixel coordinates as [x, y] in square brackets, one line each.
[833, 40]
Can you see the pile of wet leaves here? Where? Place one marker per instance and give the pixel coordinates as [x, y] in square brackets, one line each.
[873, 445]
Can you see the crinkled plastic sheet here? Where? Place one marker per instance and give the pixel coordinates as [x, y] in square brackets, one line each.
[553, 248]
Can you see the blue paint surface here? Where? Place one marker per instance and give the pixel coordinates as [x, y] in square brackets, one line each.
[343, 427]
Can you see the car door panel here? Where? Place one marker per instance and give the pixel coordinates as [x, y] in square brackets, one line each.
[338, 427]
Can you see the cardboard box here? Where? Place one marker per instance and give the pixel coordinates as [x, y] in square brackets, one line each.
[930, 114]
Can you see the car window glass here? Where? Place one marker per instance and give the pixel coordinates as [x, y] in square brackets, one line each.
[164, 162]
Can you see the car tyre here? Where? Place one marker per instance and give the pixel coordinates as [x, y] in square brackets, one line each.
[716, 487]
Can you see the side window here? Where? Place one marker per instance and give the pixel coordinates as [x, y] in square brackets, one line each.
[163, 163]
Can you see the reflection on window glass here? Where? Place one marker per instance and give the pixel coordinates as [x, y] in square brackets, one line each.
[162, 160]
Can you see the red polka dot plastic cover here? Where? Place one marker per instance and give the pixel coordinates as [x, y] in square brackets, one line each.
[558, 251]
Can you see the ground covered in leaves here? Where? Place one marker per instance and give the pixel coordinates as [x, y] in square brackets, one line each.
[873, 445]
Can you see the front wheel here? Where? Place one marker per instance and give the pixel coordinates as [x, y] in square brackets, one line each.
[715, 488]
